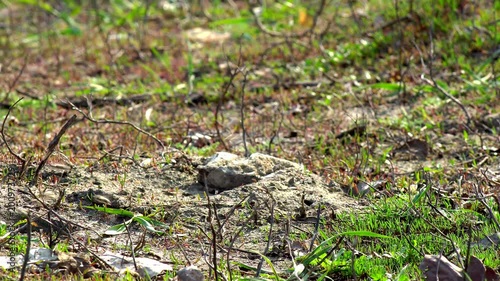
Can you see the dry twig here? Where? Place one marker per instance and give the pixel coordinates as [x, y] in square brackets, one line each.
[433, 83]
[52, 146]
[68, 222]
[18, 157]
[16, 79]
[106, 121]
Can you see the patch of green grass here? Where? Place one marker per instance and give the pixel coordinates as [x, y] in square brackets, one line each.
[121, 48]
[415, 228]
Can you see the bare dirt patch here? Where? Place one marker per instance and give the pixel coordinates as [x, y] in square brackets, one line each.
[171, 192]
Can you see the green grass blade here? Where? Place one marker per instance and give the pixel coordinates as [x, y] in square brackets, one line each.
[112, 211]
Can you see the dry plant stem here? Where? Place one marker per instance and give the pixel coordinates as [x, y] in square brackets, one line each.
[212, 229]
[437, 210]
[18, 157]
[455, 249]
[433, 83]
[27, 94]
[222, 95]
[269, 235]
[490, 181]
[290, 253]
[145, 19]
[220, 229]
[204, 254]
[28, 247]
[402, 84]
[438, 265]
[131, 245]
[242, 111]
[406, 236]
[480, 196]
[106, 121]
[242, 69]
[316, 228]
[142, 242]
[178, 244]
[109, 153]
[19, 74]
[4, 238]
[230, 247]
[217, 110]
[469, 241]
[52, 146]
[50, 210]
[232, 76]
[53, 236]
[104, 37]
[230, 213]
[208, 262]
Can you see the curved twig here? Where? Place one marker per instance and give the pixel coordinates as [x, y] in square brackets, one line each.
[434, 84]
[18, 157]
[52, 146]
[106, 121]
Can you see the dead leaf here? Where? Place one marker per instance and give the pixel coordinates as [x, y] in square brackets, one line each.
[476, 269]
[491, 275]
[440, 268]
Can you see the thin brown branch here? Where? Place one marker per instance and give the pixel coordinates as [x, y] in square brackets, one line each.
[222, 96]
[433, 83]
[68, 222]
[242, 111]
[480, 197]
[131, 246]
[18, 157]
[52, 146]
[28, 248]
[269, 235]
[233, 240]
[213, 242]
[107, 121]
[16, 79]
[316, 228]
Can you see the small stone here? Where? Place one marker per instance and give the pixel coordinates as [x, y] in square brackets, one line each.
[190, 273]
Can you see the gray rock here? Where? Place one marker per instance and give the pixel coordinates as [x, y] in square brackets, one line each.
[225, 170]
[190, 273]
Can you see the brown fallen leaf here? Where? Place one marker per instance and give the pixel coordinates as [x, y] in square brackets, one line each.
[440, 268]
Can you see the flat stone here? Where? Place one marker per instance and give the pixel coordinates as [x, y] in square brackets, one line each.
[225, 170]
